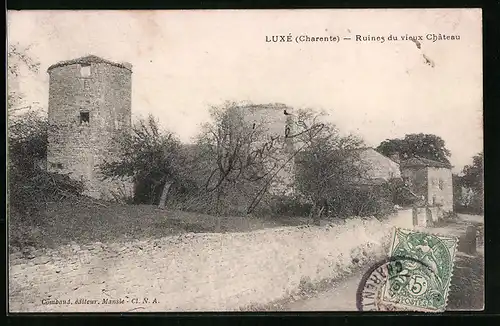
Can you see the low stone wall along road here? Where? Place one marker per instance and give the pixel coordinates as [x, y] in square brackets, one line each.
[195, 271]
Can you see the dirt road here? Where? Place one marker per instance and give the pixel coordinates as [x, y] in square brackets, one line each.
[466, 290]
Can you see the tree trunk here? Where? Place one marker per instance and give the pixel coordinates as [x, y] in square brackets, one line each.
[312, 212]
[317, 219]
[164, 194]
[218, 211]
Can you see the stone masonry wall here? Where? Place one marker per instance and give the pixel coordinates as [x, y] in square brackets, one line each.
[275, 121]
[196, 272]
[80, 148]
[440, 188]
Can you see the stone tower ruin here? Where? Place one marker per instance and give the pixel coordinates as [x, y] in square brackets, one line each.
[279, 125]
[89, 104]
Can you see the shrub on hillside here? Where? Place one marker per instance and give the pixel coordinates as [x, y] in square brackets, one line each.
[30, 185]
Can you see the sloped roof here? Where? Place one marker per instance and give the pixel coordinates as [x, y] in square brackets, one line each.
[90, 59]
[421, 161]
[371, 149]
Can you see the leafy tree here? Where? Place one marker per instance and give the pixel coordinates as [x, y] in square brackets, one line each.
[472, 181]
[150, 157]
[473, 174]
[27, 139]
[424, 145]
[328, 167]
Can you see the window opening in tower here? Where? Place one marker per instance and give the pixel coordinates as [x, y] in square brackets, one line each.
[84, 118]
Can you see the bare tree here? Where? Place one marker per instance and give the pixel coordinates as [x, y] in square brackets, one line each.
[244, 156]
[239, 155]
[18, 61]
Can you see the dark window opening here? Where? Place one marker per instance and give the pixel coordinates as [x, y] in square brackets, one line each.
[287, 131]
[84, 117]
[56, 165]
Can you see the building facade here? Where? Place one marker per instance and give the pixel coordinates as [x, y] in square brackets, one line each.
[430, 180]
[89, 105]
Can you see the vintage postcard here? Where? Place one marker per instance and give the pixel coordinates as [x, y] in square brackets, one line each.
[245, 160]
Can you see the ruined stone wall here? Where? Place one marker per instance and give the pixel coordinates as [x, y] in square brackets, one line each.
[440, 190]
[78, 148]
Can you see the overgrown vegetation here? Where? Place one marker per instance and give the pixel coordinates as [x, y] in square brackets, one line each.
[31, 186]
[468, 187]
[231, 166]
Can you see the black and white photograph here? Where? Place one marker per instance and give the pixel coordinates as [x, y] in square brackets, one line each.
[245, 160]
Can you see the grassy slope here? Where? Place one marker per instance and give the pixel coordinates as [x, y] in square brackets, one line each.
[63, 223]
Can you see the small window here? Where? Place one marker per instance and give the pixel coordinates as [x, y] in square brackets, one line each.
[85, 70]
[441, 184]
[84, 118]
[56, 165]
[86, 84]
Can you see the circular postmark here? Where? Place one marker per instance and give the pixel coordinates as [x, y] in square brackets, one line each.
[397, 284]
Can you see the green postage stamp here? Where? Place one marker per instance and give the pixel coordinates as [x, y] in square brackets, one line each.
[423, 281]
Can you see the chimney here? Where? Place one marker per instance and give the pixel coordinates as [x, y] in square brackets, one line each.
[395, 157]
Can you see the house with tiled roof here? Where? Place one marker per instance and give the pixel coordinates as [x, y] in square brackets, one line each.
[429, 179]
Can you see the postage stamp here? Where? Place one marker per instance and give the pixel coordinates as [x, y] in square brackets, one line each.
[424, 280]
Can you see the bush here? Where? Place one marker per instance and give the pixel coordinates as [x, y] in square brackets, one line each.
[284, 206]
[368, 201]
[30, 185]
[400, 193]
[31, 189]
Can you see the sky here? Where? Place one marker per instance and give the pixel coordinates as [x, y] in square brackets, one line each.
[186, 61]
